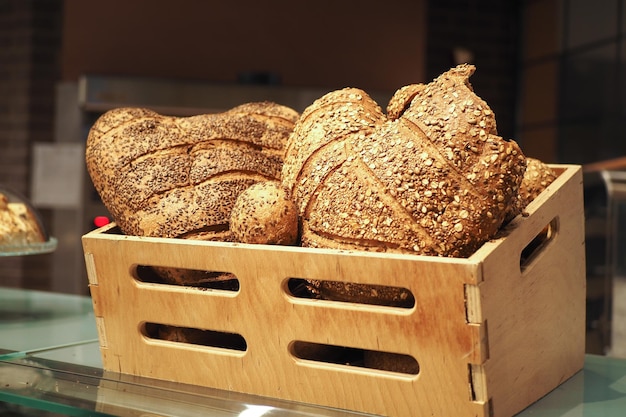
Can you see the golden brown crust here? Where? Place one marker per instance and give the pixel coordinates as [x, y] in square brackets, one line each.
[264, 214]
[18, 224]
[537, 177]
[175, 176]
[361, 293]
[437, 180]
[268, 109]
[402, 99]
[323, 128]
[453, 117]
[390, 362]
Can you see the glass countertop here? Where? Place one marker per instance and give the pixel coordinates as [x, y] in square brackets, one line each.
[50, 361]
[33, 320]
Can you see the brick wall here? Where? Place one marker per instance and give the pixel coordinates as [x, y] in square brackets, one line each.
[29, 45]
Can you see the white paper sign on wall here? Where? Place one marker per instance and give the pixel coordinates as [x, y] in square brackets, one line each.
[57, 177]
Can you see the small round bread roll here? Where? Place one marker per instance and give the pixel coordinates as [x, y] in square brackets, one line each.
[265, 214]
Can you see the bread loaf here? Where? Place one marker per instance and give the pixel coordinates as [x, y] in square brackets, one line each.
[537, 177]
[265, 214]
[433, 178]
[19, 226]
[180, 176]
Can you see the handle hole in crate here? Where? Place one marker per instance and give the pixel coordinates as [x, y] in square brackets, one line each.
[217, 280]
[350, 292]
[538, 244]
[193, 336]
[355, 357]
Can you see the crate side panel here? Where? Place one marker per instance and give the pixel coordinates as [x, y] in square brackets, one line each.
[536, 317]
[435, 332]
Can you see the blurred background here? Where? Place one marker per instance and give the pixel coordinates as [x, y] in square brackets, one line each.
[552, 70]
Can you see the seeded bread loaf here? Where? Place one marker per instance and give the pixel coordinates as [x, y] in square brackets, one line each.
[433, 178]
[180, 176]
[265, 214]
[537, 177]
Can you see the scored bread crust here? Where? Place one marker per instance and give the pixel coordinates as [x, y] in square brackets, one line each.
[402, 99]
[179, 176]
[316, 145]
[435, 179]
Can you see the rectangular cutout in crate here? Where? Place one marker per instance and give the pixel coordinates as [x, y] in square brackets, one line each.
[482, 336]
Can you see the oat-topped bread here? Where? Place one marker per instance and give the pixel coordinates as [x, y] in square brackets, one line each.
[537, 177]
[180, 176]
[432, 177]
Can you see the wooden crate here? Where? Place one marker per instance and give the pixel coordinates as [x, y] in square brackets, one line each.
[491, 333]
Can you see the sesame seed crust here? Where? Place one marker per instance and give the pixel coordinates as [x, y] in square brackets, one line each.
[180, 176]
[265, 214]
